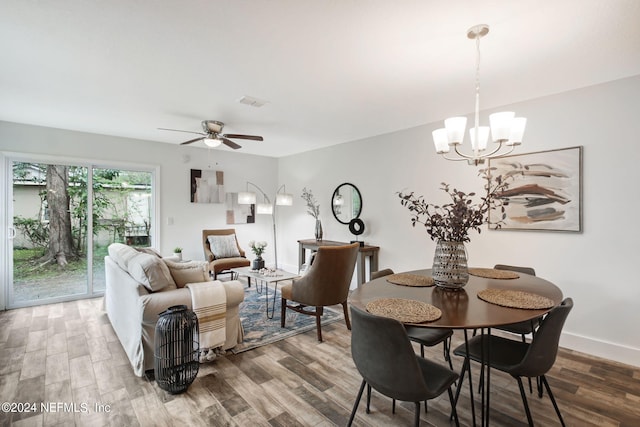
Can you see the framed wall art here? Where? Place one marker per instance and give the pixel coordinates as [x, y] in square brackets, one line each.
[237, 213]
[545, 191]
[207, 186]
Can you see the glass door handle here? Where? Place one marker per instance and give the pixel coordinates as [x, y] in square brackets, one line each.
[12, 233]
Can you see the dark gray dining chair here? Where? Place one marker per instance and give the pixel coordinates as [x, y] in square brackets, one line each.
[385, 358]
[526, 327]
[520, 359]
[426, 337]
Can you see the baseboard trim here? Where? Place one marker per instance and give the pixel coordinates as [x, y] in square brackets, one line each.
[600, 348]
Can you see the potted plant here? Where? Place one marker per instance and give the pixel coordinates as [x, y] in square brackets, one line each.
[449, 225]
[257, 248]
[177, 251]
[313, 209]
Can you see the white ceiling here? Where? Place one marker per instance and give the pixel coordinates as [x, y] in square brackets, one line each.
[332, 71]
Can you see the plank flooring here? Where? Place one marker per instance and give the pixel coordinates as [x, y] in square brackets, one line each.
[67, 354]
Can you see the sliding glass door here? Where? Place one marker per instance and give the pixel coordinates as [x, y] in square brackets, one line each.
[64, 216]
[122, 212]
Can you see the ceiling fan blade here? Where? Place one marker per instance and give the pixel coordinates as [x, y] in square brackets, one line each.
[187, 131]
[230, 143]
[193, 140]
[236, 136]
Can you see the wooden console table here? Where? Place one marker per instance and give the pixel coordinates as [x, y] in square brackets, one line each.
[365, 251]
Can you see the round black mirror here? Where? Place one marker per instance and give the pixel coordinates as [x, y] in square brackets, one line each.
[346, 203]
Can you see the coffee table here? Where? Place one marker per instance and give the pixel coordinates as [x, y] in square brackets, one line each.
[273, 277]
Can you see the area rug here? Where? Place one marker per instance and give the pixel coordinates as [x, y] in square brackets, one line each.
[259, 330]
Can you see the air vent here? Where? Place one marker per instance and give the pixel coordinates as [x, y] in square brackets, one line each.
[254, 102]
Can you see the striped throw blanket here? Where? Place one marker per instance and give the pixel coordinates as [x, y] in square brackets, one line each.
[209, 303]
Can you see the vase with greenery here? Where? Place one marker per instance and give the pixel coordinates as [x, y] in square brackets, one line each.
[177, 251]
[313, 209]
[257, 248]
[449, 225]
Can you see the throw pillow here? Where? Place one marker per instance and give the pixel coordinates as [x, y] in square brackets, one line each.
[224, 246]
[122, 254]
[151, 271]
[188, 272]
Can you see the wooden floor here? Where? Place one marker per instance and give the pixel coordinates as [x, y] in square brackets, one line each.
[68, 354]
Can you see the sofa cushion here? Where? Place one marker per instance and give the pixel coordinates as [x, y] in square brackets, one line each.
[151, 271]
[188, 272]
[224, 246]
[121, 254]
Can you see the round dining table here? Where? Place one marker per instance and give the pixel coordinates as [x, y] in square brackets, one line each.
[463, 309]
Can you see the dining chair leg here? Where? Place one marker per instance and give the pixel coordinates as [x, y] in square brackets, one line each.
[318, 323]
[345, 308]
[417, 416]
[465, 365]
[453, 407]
[540, 389]
[368, 399]
[393, 406]
[447, 352]
[524, 401]
[543, 379]
[524, 340]
[356, 403]
[283, 311]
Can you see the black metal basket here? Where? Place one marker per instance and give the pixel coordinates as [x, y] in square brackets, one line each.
[176, 349]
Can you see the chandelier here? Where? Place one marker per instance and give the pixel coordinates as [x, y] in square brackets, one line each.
[506, 129]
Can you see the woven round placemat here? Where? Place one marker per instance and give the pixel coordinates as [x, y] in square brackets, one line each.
[492, 273]
[408, 279]
[515, 299]
[404, 310]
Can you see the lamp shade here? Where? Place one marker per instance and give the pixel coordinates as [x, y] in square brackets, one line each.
[246, 198]
[483, 137]
[440, 140]
[455, 129]
[264, 209]
[501, 125]
[517, 131]
[284, 199]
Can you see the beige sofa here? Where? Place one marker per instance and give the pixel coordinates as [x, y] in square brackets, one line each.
[140, 285]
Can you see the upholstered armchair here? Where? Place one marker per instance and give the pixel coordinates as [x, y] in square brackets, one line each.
[325, 283]
[222, 251]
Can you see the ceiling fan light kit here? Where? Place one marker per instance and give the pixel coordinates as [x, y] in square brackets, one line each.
[212, 141]
[213, 137]
[505, 129]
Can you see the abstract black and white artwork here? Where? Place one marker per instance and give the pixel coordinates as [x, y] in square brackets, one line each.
[545, 190]
[207, 186]
[237, 213]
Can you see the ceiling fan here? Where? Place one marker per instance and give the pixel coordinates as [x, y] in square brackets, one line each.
[213, 136]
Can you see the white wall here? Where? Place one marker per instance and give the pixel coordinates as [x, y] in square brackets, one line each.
[595, 268]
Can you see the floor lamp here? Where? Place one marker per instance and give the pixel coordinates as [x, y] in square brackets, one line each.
[267, 208]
